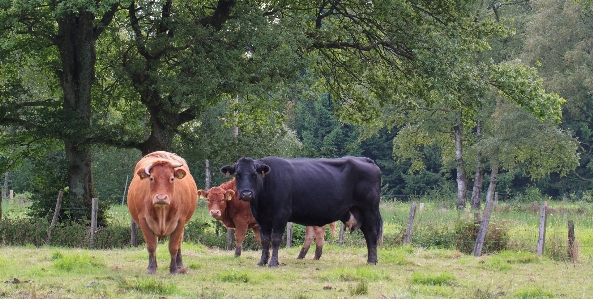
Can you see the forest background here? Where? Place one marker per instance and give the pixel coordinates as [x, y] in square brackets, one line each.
[443, 95]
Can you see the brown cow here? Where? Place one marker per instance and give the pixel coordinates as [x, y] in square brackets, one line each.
[317, 233]
[232, 212]
[225, 207]
[162, 197]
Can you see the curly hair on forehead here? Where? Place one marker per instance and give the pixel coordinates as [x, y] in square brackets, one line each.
[166, 155]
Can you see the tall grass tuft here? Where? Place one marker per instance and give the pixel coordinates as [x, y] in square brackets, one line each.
[361, 288]
[533, 293]
[147, 285]
[234, 275]
[77, 263]
[485, 294]
[440, 279]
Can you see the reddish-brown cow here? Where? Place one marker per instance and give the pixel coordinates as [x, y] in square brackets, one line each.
[162, 197]
[225, 207]
[232, 212]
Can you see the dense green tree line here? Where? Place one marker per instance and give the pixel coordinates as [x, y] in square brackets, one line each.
[408, 83]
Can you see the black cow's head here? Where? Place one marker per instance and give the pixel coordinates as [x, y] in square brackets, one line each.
[248, 176]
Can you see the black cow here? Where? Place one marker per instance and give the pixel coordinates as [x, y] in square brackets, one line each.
[311, 192]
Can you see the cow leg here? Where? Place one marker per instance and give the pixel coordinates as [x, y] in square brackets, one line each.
[276, 240]
[240, 232]
[151, 243]
[256, 233]
[265, 244]
[319, 240]
[175, 249]
[309, 234]
[371, 228]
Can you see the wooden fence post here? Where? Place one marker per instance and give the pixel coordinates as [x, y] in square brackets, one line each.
[572, 250]
[133, 233]
[541, 240]
[55, 217]
[341, 237]
[483, 227]
[123, 196]
[94, 211]
[207, 180]
[288, 234]
[230, 236]
[408, 237]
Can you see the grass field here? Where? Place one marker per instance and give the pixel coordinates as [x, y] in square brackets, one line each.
[402, 271]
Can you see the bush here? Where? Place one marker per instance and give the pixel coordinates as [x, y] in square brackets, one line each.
[30, 231]
[466, 232]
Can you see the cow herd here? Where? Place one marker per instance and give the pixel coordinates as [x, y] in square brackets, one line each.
[264, 195]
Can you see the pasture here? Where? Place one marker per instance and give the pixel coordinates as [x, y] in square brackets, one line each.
[419, 271]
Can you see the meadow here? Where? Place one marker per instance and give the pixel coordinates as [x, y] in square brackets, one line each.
[429, 268]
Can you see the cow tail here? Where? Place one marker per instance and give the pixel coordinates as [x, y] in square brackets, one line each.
[380, 232]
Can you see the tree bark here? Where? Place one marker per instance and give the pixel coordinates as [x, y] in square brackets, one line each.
[76, 38]
[493, 180]
[461, 177]
[76, 43]
[479, 176]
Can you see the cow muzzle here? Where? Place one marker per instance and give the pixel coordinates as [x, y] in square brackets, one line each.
[161, 200]
[215, 213]
[246, 196]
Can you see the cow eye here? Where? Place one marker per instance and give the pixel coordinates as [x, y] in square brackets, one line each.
[171, 179]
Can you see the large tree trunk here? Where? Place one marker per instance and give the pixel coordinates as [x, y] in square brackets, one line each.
[76, 38]
[479, 176]
[76, 43]
[461, 177]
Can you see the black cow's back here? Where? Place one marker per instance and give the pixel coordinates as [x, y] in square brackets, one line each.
[319, 191]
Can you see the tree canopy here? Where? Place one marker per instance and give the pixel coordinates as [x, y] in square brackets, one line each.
[138, 74]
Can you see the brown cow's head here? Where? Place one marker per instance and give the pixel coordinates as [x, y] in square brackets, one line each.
[162, 175]
[217, 199]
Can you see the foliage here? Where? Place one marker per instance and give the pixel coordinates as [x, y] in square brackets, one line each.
[112, 169]
[207, 139]
[496, 240]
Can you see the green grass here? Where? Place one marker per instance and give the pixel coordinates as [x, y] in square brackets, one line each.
[341, 272]
[412, 271]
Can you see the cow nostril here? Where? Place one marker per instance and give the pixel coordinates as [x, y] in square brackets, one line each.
[246, 195]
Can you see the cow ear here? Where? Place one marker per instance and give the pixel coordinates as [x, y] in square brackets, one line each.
[229, 194]
[142, 173]
[262, 169]
[202, 194]
[180, 173]
[228, 170]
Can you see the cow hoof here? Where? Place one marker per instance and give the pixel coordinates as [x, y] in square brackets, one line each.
[261, 264]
